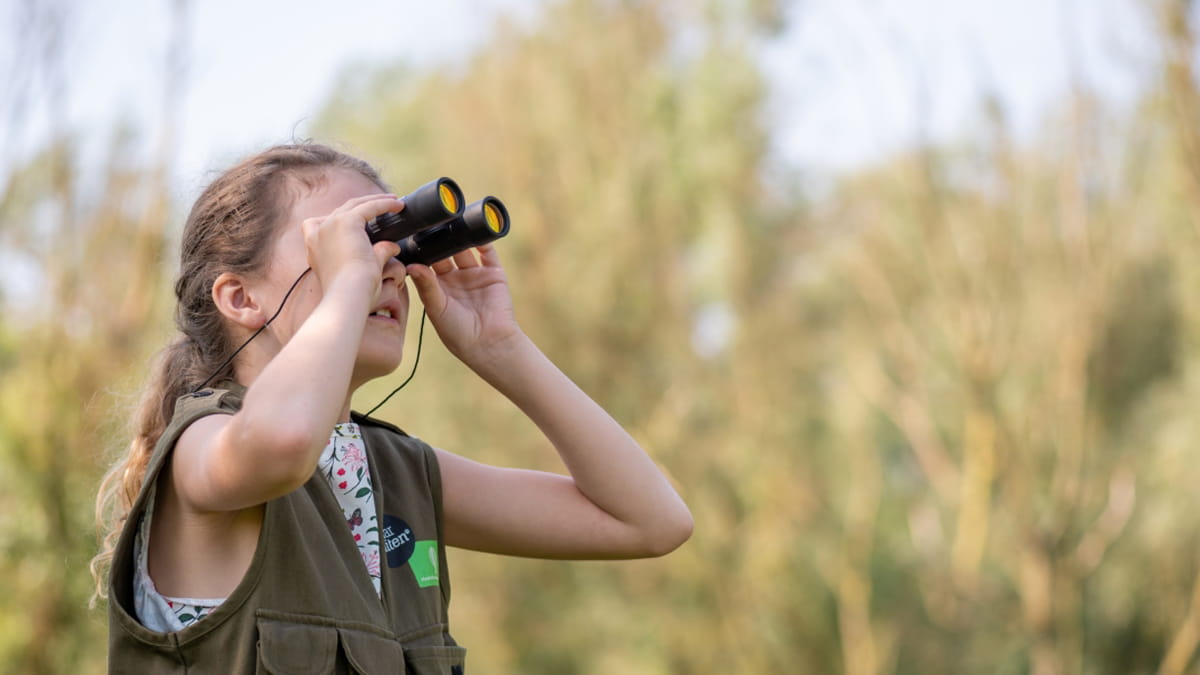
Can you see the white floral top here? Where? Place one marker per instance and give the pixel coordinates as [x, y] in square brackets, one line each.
[343, 463]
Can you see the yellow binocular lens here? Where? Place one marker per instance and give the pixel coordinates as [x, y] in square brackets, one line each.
[449, 198]
[492, 216]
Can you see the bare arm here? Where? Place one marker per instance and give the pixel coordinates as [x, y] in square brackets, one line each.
[300, 382]
[615, 503]
[267, 449]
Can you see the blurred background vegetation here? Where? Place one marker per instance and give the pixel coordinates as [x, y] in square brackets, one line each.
[938, 415]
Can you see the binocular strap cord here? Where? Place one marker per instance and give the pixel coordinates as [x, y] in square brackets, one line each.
[237, 351]
[226, 362]
[417, 360]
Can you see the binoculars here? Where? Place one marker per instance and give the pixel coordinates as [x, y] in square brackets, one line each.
[435, 225]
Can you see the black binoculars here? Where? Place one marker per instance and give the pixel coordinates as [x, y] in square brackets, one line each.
[435, 225]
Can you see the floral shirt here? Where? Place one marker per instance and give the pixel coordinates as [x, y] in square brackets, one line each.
[344, 465]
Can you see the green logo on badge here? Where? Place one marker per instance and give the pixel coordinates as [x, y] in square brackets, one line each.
[424, 563]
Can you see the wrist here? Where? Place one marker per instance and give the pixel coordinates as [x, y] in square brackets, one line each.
[351, 280]
[501, 357]
[347, 294]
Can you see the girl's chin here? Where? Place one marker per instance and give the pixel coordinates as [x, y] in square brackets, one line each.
[379, 367]
[371, 366]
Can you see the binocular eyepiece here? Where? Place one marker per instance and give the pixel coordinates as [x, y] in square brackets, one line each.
[435, 225]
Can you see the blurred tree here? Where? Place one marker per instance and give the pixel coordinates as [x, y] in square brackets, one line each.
[65, 356]
[913, 419]
[87, 306]
[939, 419]
[626, 140]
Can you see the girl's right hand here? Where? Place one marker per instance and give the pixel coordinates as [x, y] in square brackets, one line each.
[338, 242]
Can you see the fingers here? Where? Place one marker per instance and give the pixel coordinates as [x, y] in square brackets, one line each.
[350, 219]
[488, 255]
[465, 259]
[480, 256]
[428, 287]
[354, 204]
[362, 210]
[358, 211]
[444, 266]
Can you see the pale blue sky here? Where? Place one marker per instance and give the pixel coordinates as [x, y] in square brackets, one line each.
[853, 78]
[861, 77]
[257, 71]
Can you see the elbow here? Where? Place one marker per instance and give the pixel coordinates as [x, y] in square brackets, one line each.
[672, 532]
[682, 530]
[295, 459]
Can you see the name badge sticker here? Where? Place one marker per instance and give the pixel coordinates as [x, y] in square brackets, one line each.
[398, 542]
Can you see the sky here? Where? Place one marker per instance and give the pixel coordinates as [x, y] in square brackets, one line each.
[860, 78]
[257, 72]
[853, 79]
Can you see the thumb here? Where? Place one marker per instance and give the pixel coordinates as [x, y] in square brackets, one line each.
[385, 251]
[429, 288]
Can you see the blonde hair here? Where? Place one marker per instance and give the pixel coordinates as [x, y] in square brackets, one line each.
[231, 228]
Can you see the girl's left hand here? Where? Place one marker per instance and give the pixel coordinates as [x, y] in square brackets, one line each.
[468, 303]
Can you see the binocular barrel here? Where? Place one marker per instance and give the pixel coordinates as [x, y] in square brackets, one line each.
[431, 204]
[434, 225]
[484, 221]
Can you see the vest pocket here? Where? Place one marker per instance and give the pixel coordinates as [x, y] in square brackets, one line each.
[369, 653]
[288, 646]
[296, 649]
[434, 660]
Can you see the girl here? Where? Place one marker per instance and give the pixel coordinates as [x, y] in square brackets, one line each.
[258, 524]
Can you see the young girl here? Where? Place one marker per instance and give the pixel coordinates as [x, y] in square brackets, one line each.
[258, 524]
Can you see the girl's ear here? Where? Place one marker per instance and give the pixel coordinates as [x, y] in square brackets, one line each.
[235, 301]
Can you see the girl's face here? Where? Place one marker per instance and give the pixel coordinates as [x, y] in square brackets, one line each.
[383, 337]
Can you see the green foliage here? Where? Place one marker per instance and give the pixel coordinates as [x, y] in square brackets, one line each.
[64, 353]
[924, 446]
[950, 427]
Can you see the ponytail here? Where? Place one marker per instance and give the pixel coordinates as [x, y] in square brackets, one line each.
[121, 484]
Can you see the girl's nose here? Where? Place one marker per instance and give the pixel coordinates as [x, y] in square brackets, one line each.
[394, 272]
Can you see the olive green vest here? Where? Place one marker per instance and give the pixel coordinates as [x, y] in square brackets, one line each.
[307, 604]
